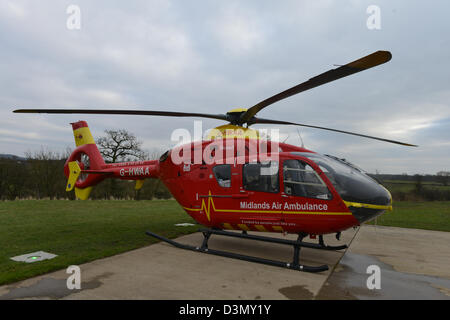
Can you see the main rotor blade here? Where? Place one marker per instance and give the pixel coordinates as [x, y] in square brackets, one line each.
[364, 63]
[268, 121]
[125, 112]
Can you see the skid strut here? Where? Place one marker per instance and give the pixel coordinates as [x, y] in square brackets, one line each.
[295, 264]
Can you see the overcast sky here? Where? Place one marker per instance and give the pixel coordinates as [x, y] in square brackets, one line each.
[214, 56]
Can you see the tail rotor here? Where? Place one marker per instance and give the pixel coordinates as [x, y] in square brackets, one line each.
[86, 157]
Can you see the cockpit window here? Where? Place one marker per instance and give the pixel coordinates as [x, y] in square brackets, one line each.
[223, 175]
[261, 177]
[350, 182]
[341, 175]
[164, 156]
[301, 180]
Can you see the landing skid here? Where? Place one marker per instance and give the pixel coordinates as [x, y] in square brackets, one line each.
[323, 246]
[295, 265]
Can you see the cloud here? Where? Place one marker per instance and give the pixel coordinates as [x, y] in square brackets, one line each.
[215, 56]
[13, 9]
[238, 30]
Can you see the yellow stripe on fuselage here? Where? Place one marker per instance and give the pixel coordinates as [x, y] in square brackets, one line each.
[277, 228]
[228, 226]
[368, 206]
[206, 207]
[267, 211]
[260, 228]
[243, 227]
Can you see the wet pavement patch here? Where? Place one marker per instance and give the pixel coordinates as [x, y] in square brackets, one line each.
[51, 288]
[349, 281]
[296, 293]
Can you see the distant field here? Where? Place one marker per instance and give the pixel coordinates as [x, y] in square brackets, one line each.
[80, 231]
[430, 215]
[408, 186]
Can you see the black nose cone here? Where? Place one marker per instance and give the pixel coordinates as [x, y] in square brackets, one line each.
[367, 201]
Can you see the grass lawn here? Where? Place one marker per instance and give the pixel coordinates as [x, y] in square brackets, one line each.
[80, 231]
[429, 215]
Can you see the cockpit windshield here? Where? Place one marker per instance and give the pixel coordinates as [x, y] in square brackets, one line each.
[350, 182]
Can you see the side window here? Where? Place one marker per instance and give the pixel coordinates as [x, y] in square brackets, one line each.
[261, 177]
[301, 180]
[223, 175]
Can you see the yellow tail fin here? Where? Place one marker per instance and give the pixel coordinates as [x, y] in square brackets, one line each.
[83, 194]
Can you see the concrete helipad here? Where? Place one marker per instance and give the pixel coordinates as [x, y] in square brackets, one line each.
[410, 261]
[414, 264]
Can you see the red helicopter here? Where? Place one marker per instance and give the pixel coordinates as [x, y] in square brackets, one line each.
[236, 180]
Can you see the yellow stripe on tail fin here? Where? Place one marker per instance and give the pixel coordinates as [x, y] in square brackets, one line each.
[82, 134]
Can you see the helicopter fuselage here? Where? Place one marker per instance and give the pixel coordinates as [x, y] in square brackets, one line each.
[296, 190]
[252, 185]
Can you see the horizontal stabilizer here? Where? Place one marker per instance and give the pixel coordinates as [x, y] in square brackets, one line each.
[74, 173]
[139, 184]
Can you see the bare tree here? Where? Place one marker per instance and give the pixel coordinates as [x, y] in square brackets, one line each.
[46, 176]
[120, 145]
[443, 178]
[12, 178]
